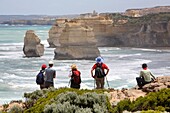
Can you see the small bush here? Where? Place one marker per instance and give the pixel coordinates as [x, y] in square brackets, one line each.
[159, 101]
[15, 109]
[67, 100]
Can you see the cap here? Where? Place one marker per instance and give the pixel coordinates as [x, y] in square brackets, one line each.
[50, 62]
[73, 66]
[43, 66]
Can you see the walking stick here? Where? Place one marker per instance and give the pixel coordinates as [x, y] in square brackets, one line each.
[69, 82]
[107, 83]
[94, 83]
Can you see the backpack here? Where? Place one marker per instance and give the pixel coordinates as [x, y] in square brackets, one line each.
[40, 77]
[99, 71]
[76, 79]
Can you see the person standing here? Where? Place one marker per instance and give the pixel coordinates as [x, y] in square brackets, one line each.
[145, 77]
[100, 73]
[75, 77]
[50, 74]
[40, 77]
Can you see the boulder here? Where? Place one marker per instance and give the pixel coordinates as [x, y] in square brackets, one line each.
[32, 46]
[77, 41]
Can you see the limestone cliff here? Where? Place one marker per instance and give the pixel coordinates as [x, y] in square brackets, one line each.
[55, 32]
[76, 41]
[32, 46]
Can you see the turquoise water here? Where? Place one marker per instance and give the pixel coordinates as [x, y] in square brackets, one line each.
[18, 73]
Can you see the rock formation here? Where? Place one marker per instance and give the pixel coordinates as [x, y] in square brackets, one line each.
[32, 46]
[102, 26]
[77, 41]
[145, 11]
[133, 93]
[55, 32]
[117, 30]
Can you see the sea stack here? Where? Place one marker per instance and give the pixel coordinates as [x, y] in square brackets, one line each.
[32, 46]
[77, 41]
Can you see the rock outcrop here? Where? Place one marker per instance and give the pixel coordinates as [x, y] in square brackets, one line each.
[133, 93]
[102, 27]
[77, 41]
[145, 11]
[32, 46]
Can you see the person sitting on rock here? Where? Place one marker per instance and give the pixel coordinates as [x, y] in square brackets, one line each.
[145, 77]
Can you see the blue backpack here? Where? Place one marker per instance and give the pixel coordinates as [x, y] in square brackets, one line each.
[40, 77]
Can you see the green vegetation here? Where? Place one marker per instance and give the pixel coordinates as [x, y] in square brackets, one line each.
[67, 100]
[140, 20]
[158, 101]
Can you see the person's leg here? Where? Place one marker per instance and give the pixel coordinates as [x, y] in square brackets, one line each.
[102, 83]
[139, 81]
[97, 83]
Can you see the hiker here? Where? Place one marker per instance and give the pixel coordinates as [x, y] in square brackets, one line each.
[75, 77]
[100, 73]
[50, 74]
[40, 77]
[145, 77]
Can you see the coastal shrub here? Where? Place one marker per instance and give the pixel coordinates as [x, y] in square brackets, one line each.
[15, 109]
[159, 101]
[64, 99]
[71, 102]
[150, 111]
[122, 105]
[146, 19]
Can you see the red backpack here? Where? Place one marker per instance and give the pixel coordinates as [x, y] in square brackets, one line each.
[76, 78]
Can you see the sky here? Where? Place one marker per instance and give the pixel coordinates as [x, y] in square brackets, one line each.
[64, 7]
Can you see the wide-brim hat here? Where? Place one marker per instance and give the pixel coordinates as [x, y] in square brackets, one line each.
[99, 59]
[73, 66]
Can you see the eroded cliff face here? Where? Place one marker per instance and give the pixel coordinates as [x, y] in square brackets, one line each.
[155, 34]
[144, 32]
[76, 41]
[32, 46]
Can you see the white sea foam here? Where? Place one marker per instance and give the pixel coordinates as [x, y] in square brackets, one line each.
[1, 80]
[144, 49]
[129, 55]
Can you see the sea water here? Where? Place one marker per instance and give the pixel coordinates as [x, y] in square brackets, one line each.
[18, 72]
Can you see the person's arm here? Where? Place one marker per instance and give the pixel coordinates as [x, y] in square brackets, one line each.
[54, 74]
[152, 75]
[92, 72]
[94, 67]
[106, 68]
[107, 71]
[70, 73]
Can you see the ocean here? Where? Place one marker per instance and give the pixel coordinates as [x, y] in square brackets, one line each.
[18, 72]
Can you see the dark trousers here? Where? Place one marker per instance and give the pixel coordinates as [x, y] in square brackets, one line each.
[74, 85]
[141, 82]
[49, 84]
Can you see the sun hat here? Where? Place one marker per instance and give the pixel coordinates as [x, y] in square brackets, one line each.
[99, 59]
[73, 66]
[43, 66]
[50, 62]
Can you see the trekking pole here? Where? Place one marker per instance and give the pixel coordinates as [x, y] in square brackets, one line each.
[94, 83]
[69, 82]
[107, 83]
